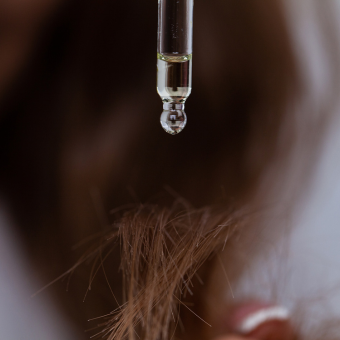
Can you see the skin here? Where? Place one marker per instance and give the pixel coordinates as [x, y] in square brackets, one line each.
[233, 337]
[272, 330]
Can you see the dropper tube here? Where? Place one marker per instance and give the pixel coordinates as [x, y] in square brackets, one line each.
[174, 61]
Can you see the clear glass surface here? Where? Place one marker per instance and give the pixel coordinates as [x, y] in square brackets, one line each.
[175, 22]
[174, 78]
[174, 61]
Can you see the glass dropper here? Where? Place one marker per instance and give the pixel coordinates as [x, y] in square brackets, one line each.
[174, 61]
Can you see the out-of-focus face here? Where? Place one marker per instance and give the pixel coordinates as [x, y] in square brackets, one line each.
[20, 24]
[102, 153]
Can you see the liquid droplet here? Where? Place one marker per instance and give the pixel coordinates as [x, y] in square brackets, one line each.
[173, 121]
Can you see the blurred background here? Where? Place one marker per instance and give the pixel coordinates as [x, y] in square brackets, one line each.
[80, 136]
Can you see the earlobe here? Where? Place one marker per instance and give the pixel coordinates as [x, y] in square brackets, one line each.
[262, 321]
[233, 337]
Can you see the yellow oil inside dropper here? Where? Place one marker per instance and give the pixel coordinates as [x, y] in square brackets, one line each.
[174, 61]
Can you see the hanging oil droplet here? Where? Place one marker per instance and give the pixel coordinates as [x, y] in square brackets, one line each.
[173, 118]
